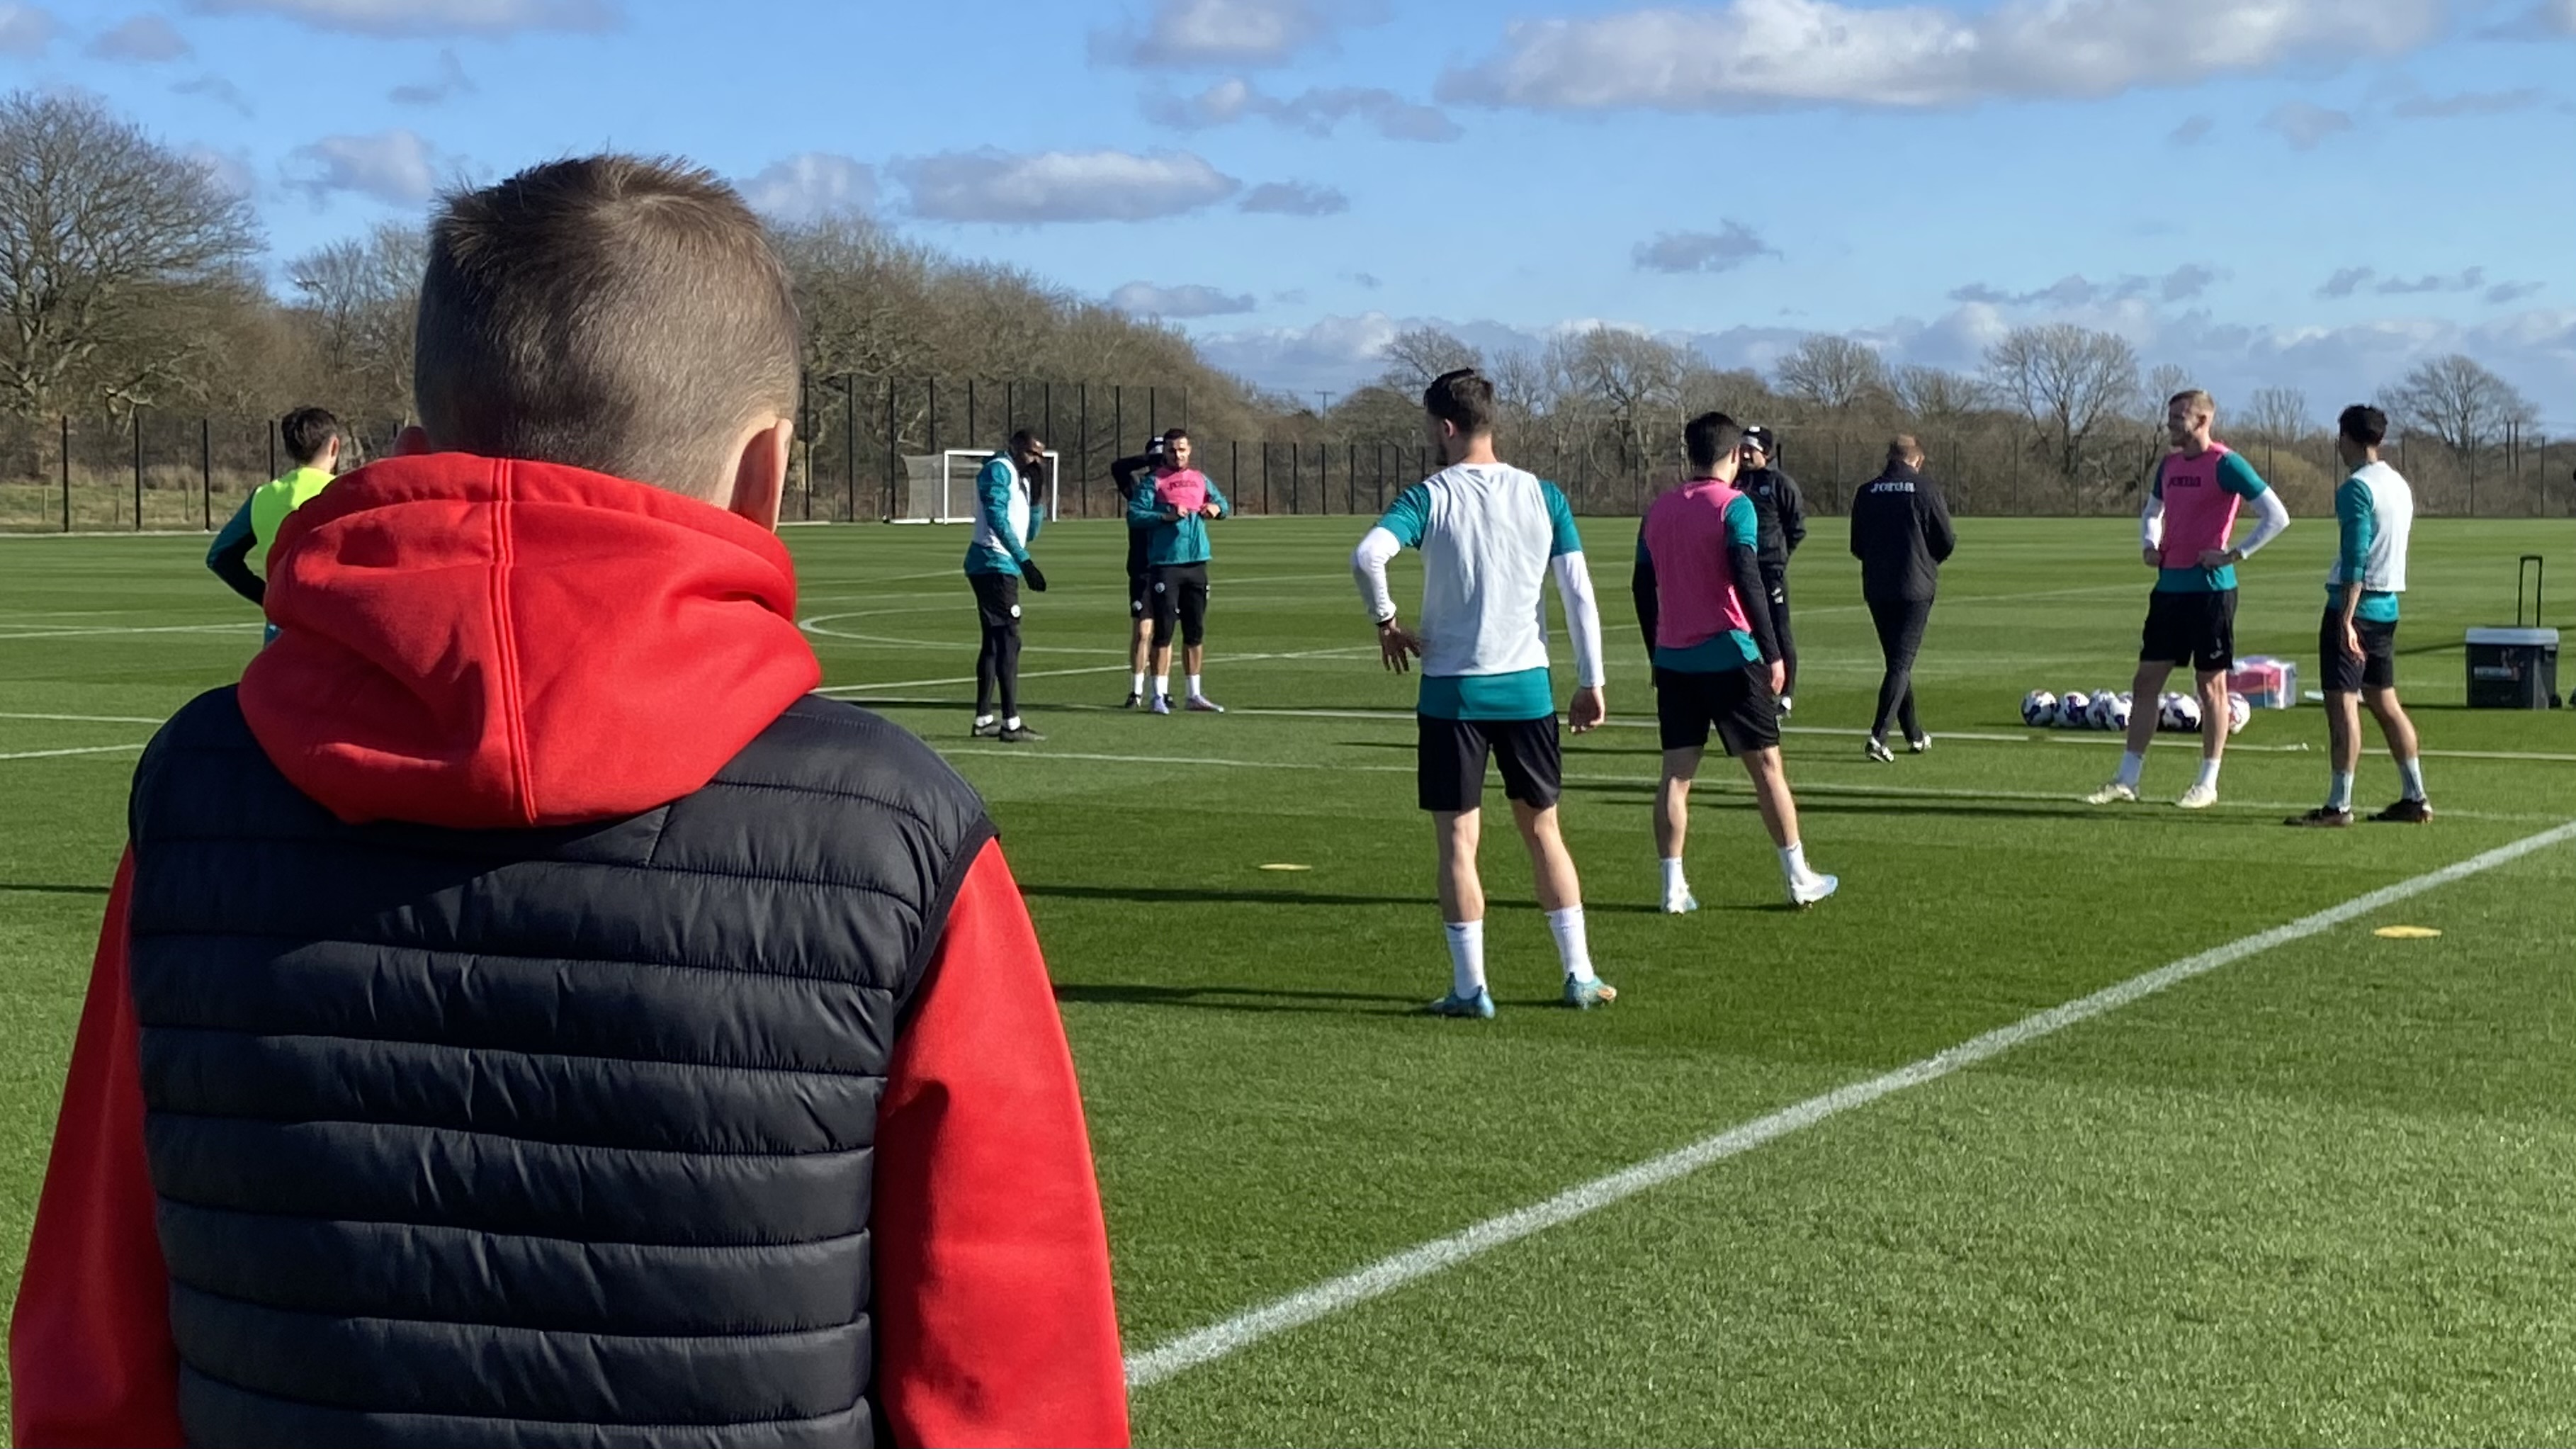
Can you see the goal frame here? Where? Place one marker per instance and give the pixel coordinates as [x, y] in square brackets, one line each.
[955, 481]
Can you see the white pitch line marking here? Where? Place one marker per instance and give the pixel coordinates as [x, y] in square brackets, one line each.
[89, 718]
[57, 754]
[1220, 1340]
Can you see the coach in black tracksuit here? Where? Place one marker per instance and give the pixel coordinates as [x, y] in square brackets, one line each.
[1780, 513]
[1900, 532]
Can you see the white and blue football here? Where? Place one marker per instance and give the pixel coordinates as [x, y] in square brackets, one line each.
[2071, 708]
[2240, 712]
[2039, 709]
[2110, 711]
[2180, 713]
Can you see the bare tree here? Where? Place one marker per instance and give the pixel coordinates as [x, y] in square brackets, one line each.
[2279, 415]
[2067, 380]
[1832, 372]
[363, 297]
[113, 248]
[2163, 385]
[1418, 354]
[1632, 378]
[1938, 396]
[2457, 401]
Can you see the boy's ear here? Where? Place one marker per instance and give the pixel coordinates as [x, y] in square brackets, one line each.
[412, 441]
[760, 473]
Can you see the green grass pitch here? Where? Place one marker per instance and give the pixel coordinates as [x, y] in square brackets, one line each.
[2320, 1194]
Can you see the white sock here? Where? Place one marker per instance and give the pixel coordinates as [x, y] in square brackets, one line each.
[1793, 860]
[1162, 686]
[2411, 774]
[982, 720]
[1674, 886]
[2208, 773]
[2133, 763]
[1466, 957]
[1194, 686]
[2339, 790]
[1012, 723]
[1135, 684]
[1571, 949]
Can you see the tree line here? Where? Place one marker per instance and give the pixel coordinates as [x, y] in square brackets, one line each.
[133, 281]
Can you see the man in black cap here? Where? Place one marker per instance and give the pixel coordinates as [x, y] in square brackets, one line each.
[1781, 513]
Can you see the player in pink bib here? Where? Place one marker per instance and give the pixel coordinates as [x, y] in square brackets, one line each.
[2183, 532]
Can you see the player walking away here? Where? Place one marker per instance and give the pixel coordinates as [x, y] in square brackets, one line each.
[1176, 510]
[1900, 532]
[1781, 510]
[1140, 598]
[1490, 534]
[2374, 513]
[2191, 615]
[1716, 657]
[239, 556]
[1007, 519]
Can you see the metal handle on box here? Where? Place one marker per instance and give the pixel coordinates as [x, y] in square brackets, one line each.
[2534, 566]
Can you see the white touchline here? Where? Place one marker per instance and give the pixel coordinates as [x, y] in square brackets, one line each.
[1384, 1276]
[88, 718]
[58, 754]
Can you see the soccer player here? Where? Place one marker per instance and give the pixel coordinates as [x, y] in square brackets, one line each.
[1007, 519]
[1781, 510]
[1490, 536]
[1140, 598]
[1900, 532]
[1716, 658]
[2374, 513]
[1176, 509]
[239, 555]
[2191, 615]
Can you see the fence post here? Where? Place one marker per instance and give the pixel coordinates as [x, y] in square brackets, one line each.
[67, 472]
[138, 469]
[1185, 406]
[1324, 478]
[1234, 464]
[1082, 401]
[850, 448]
[1351, 477]
[1153, 416]
[206, 469]
[1265, 478]
[894, 453]
[971, 433]
[272, 447]
[1296, 476]
[1117, 418]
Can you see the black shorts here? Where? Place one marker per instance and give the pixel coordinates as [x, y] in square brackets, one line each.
[2198, 629]
[997, 600]
[1180, 596]
[1449, 766]
[1737, 701]
[2374, 668]
[1140, 597]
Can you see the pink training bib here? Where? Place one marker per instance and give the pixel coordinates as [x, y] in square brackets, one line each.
[1184, 491]
[1695, 586]
[2199, 513]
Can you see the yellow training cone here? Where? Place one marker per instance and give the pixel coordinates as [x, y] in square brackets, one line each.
[2407, 933]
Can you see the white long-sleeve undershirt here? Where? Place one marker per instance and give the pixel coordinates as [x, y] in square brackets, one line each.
[1582, 617]
[1368, 568]
[2271, 517]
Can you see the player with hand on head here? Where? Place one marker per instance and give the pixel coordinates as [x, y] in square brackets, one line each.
[1490, 535]
[1007, 519]
[1716, 659]
[2183, 534]
[1176, 509]
[1131, 475]
[1782, 512]
[2357, 640]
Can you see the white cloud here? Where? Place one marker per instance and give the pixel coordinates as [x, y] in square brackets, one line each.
[813, 184]
[1189, 300]
[1226, 32]
[2182, 284]
[1702, 251]
[430, 17]
[1316, 110]
[451, 81]
[144, 40]
[2356, 281]
[230, 170]
[2304, 125]
[1050, 186]
[1295, 198]
[216, 88]
[1765, 54]
[390, 166]
[26, 30]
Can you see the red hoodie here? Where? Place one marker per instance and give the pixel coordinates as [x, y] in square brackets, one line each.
[475, 643]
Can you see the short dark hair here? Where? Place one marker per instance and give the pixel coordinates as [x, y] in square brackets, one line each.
[1463, 399]
[2363, 424]
[1709, 437]
[1024, 438]
[1175, 435]
[611, 312]
[307, 433]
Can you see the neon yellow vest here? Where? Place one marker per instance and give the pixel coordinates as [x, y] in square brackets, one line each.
[270, 505]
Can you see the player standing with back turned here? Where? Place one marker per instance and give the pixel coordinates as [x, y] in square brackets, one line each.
[2191, 615]
[1490, 535]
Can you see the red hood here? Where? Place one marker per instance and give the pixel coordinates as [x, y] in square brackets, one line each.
[480, 643]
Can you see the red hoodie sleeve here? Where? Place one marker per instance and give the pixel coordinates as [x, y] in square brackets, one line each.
[995, 1320]
[90, 1357]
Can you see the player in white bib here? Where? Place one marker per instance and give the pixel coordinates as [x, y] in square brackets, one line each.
[1490, 535]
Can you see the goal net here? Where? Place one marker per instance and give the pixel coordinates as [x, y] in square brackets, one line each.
[940, 487]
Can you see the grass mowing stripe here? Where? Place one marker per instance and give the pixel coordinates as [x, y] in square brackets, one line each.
[1388, 1274]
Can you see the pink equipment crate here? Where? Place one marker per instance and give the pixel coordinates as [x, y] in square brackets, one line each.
[2266, 683]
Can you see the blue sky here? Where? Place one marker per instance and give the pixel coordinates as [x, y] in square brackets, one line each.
[2312, 193]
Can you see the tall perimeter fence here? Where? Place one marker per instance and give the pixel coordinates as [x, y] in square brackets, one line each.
[157, 471]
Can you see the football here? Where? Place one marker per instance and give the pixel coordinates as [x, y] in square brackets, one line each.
[2109, 711]
[2039, 709]
[2179, 712]
[2239, 711]
[2071, 708]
